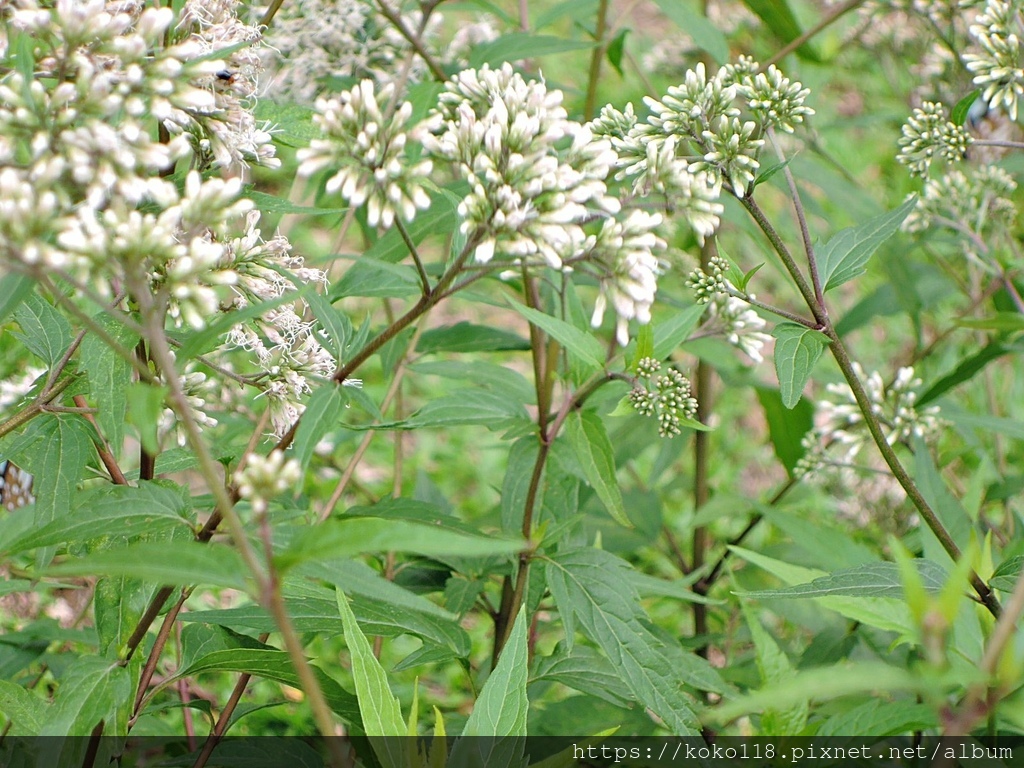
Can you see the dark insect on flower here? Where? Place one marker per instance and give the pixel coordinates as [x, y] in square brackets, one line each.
[227, 76]
[15, 486]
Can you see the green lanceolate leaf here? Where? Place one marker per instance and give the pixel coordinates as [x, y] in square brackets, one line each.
[871, 580]
[843, 257]
[324, 408]
[92, 689]
[517, 46]
[25, 710]
[379, 708]
[499, 713]
[797, 349]
[589, 440]
[786, 426]
[583, 346]
[43, 329]
[109, 376]
[706, 36]
[775, 667]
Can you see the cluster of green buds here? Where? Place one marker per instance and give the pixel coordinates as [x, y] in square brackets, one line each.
[665, 396]
[713, 282]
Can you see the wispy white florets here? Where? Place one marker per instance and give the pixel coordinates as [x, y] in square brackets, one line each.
[740, 324]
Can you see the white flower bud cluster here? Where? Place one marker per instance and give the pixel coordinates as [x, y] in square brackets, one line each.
[742, 327]
[976, 204]
[712, 283]
[928, 134]
[199, 391]
[625, 250]
[364, 150]
[997, 66]
[528, 197]
[266, 477]
[840, 431]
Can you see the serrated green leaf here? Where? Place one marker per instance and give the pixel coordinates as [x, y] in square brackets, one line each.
[378, 706]
[589, 587]
[880, 579]
[581, 345]
[468, 406]
[1000, 321]
[109, 376]
[516, 46]
[360, 580]
[500, 709]
[498, 378]
[118, 605]
[1006, 575]
[293, 123]
[843, 257]
[113, 510]
[357, 535]
[43, 329]
[705, 35]
[165, 562]
[322, 414]
[797, 349]
[91, 690]
[947, 507]
[522, 457]
[593, 449]
[376, 278]
[274, 665]
[26, 711]
[468, 337]
[878, 717]
[584, 670]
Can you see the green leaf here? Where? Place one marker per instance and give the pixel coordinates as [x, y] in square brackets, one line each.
[843, 257]
[797, 349]
[779, 16]
[92, 689]
[118, 605]
[522, 457]
[947, 507]
[165, 562]
[440, 217]
[109, 376]
[668, 335]
[293, 124]
[889, 614]
[775, 667]
[579, 344]
[377, 278]
[1001, 321]
[517, 46]
[357, 578]
[615, 50]
[878, 717]
[111, 510]
[589, 587]
[358, 535]
[958, 115]
[644, 345]
[274, 204]
[335, 324]
[786, 426]
[26, 711]
[589, 440]
[501, 708]
[322, 414]
[14, 289]
[379, 708]
[498, 378]
[274, 665]
[706, 35]
[467, 337]
[880, 579]
[966, 370]
[577, 9]
[467, 406]
[43, 329]
[584, 670]
[1006, 575]
[145, 405]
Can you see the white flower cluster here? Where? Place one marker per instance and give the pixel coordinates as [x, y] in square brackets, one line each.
[928, 134]
[88, 191]
[364, 148]
[742, 327]
[975, 204]
[315, 43]
[997, 66]
[263, 478]
[840, 431]
[528, 197]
